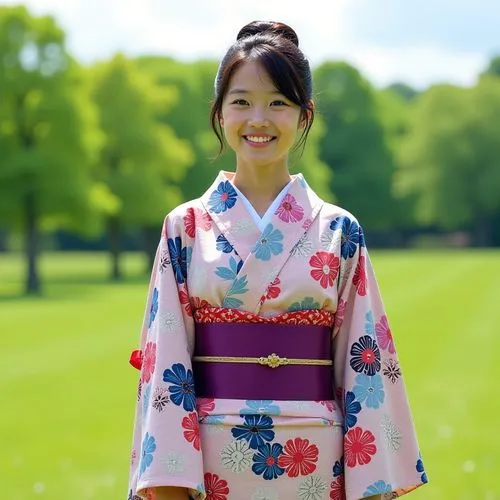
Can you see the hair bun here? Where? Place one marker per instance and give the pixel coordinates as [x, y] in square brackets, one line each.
[268, 27]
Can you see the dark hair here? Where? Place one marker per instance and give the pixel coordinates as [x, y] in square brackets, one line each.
[276, 47]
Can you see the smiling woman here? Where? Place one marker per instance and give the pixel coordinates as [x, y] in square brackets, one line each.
[265, 335]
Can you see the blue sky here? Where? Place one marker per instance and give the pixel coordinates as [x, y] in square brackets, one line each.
[419, 42]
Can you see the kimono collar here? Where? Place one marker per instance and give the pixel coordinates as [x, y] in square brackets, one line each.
[292, 218]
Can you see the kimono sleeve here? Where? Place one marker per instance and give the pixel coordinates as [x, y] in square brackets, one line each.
[166, 443]
[381, 453]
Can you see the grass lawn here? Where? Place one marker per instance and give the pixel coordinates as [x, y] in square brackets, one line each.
[68, 393]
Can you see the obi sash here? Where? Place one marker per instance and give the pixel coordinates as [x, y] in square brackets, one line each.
[263, 361]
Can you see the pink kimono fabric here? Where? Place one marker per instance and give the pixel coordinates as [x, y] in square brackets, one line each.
[212, 261]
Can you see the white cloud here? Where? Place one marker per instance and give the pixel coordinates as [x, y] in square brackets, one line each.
[418, 66]
[190, 29]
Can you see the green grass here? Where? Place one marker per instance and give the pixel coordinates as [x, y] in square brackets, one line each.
[67, 392]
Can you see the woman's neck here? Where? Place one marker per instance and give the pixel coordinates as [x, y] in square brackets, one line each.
[261, 187]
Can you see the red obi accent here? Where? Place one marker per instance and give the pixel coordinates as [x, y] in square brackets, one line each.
[317, 317]
[136, 359]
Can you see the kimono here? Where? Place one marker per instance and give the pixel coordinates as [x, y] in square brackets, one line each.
[309, 265]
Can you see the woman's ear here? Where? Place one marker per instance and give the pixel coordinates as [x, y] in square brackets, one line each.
[221, 120]
[306, 114]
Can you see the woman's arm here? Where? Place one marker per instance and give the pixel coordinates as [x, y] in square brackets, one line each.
[171, 493]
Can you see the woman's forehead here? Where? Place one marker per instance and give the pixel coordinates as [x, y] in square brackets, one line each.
[251, 77]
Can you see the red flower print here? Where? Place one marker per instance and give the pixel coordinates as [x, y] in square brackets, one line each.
[204, 406]
[290, 210]
[358, 447]
[197, 303]
[189, 223]
[298, 457]
[337, 491]
[329, 405]
[339, 315]
[359, 279]
[192, 432]
[326, 268]
[215, 487]
[149, 362]
[273, 290]
[384, 335]
[195, 217]
[184, 300]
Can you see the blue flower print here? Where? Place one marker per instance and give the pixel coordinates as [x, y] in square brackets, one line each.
[265, 461]
[153, 308]
[350, 235]
[260, 407]
[361, 237]
[305, 305]
[148, 448]
[223, 245]
[421, 469]
[269, 243]
[351, 408]
[370, 324]
[180, 257]
[257, 429]
[365, 356]
[338, 468]
[223, 198]
[146, 398]
[369, 390]
[182, 388]
[376, 488]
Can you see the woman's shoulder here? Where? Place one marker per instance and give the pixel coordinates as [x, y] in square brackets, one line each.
[332, 211]
[185, 217]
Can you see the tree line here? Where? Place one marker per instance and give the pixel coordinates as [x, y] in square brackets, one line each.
[109, 148]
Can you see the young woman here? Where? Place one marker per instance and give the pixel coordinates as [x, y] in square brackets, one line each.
[268, 367]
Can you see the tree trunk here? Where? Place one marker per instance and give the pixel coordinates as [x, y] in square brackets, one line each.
[32, 242]
[483, 232]
[114, 238]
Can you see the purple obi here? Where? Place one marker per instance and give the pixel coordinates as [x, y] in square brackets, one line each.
[263, 361]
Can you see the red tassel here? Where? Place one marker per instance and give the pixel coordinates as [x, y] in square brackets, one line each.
[136, 359]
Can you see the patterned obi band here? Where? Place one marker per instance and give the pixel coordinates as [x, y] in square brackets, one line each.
[263, 361]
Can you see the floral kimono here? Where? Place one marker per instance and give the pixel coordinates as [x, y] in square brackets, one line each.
[308, 266]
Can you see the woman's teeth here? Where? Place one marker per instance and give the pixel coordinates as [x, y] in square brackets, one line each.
[252, 138]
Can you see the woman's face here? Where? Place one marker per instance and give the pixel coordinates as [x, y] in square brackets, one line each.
[259, 123]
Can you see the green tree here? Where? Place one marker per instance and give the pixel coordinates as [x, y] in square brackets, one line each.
[354, 145]
[189, 116]
[493, 68]
[450, 159]
[403, 90]
[48, 137]
[142, 158]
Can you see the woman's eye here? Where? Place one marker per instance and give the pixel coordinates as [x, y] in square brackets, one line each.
[279, 102]
[240, 102]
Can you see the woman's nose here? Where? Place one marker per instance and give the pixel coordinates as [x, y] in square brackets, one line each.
[258, 119]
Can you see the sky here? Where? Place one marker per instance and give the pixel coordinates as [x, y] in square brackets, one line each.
[419, 42]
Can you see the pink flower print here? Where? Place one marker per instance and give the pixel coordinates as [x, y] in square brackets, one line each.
[339, 315]
[290, 210]
[384, 335]
[307, 224]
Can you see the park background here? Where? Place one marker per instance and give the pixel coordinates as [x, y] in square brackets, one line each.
[104, 128]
